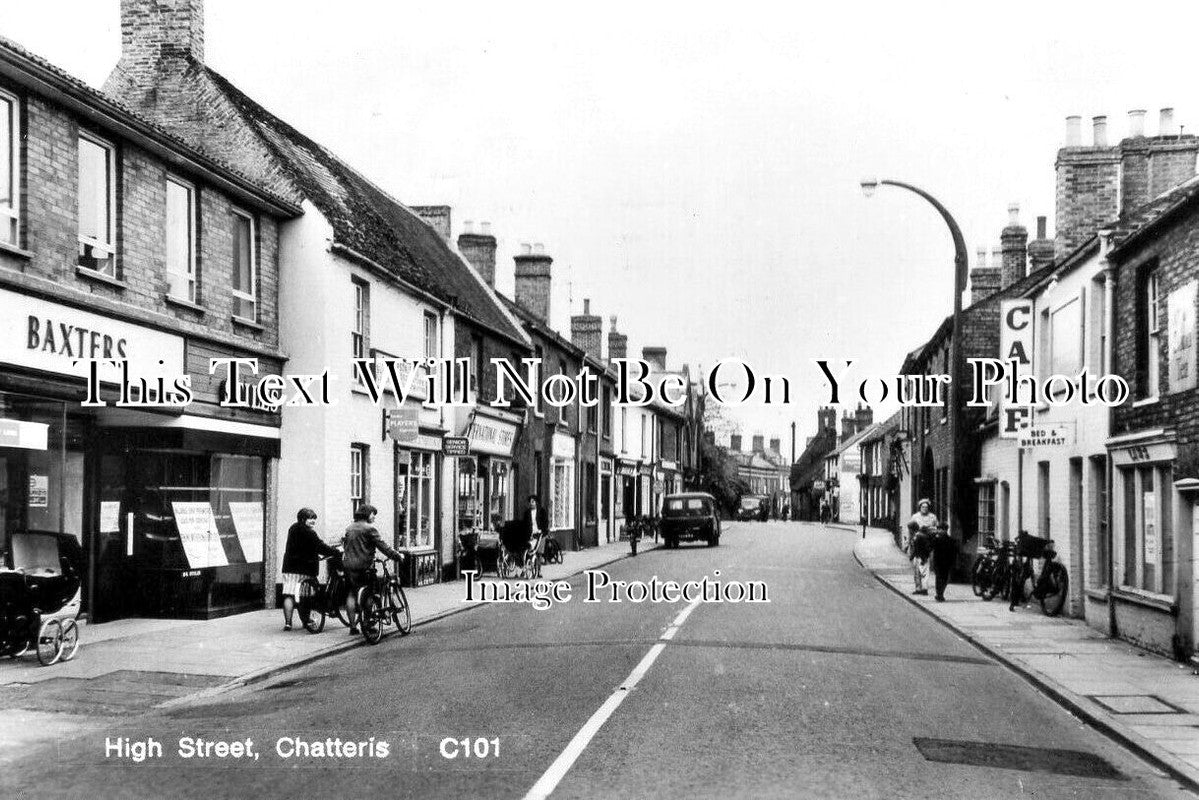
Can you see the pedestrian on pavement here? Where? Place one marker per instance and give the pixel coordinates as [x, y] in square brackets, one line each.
[301, 559]
[920, 528]
[361, 541]
[826, 513]
[943, 555]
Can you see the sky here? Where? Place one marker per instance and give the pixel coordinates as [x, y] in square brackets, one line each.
[694, 169]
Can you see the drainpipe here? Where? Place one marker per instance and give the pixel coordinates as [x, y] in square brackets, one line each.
[1108, 355]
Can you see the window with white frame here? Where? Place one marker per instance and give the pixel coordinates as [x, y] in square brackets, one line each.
[562, 500]
[97, 204]
[1152, 335]
[1149, 546]
[181, 239]
[10, 169]
[1065, 338]
[415, 499]
[245, 266]
[359, 475]
[986, 509]
[360, 334]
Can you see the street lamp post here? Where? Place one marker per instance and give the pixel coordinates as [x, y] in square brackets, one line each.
[955, 372]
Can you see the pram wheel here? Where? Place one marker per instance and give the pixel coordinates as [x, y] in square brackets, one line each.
[49, 642]
[70, 640]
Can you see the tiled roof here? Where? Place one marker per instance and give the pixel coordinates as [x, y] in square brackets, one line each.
[1145, 218]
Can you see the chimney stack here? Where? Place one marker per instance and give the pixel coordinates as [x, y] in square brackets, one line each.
[656, 356]
[735, 443]
[1040, 250]
[1099, 131]
[984, 280]
[587, 331]
[1136, 122]
[151, 29]
[479, 250]
[848, 426]
[759, 444]
[618, 343]
[1087, 187]
[1015, 249]
[776, 446]
[436, 217]
[533, 281]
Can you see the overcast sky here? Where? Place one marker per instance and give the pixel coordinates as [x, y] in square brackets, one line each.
[695, 169]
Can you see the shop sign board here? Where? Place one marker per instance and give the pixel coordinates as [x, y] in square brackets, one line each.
[851, 460]
[818, 485]
[628, 470]
[491, 436]
[1180, 336]
[24, 435]
[1060, 434]
[1015, 344]
[198, 534]
[457, 446]
[42, 335]
[402, 424]
[39, 491]
[247, 521]
[564, 446]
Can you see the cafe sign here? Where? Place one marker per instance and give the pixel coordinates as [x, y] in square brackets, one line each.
[1060, 434]
[41, 335]
[1015, 348]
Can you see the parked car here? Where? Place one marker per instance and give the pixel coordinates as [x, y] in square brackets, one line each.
[690, 516]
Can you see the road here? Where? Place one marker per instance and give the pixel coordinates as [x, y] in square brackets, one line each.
[835, 688]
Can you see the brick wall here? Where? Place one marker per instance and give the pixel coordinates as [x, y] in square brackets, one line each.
[1087, 194]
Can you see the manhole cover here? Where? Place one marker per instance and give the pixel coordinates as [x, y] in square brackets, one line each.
[1013, 756]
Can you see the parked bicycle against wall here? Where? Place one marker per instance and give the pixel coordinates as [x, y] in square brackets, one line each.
[1051, 587]
[383, 603]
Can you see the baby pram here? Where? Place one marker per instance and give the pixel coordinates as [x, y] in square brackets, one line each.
[40, 582]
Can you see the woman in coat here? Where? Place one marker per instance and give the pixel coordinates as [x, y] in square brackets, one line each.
[301, 559]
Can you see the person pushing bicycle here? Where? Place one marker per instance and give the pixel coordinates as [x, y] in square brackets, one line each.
[361, 541]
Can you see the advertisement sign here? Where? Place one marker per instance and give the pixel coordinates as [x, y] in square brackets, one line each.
[851, 460]
[47, 336]
[402, 424]
[110, 516]
[198, 534]
[1060, 434]
[491, 436]
[1149, 514]
[457, 446]
[39, 491]
[1180, 337]
[23, 435]
[247, 521]
[1015, 344]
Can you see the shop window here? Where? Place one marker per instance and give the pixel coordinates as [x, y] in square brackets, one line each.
[359, 475]
[360, 333]
[1098, 573]
[986, 509]
[245, 266]
[97, 202]
[470, 495]
[500, 493]
[415, 499]
[181, 239]
[562, 500]
[10, 169]
[1148, 532]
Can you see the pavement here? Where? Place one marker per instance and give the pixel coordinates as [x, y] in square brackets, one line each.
[249, 647]
[1144, 701]
[834, 688]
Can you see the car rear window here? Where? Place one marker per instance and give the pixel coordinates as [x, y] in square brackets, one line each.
[687, 507]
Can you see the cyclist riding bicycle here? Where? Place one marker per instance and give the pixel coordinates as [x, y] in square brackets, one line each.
[361, 541]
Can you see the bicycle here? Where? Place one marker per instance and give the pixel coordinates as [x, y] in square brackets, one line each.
[318, 600]
[526, 564]
[634, 529]
[984, 565]
[383, 603]
[999, 580]
[1051, 588]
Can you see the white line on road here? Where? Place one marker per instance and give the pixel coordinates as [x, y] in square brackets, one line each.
[566, 759]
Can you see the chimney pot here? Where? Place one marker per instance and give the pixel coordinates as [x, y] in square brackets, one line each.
[587, 306]
[1099, 131]
[1136, 122]
[525, 248]
[1073, 131]
[1042, 227]
[468, 226]
[1013, 214]
[485, 228]
[538, 249]
[1165, 123]
[980, 262]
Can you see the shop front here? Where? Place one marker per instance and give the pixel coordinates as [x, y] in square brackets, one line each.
[485, 479]
[562, 491]
[627, 498]
[417, 505]
[168, 508]
[607, 511]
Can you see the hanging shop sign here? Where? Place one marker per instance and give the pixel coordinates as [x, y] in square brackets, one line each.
[24, 435]
[1060, 434]
[1180, 335]
[401, 424]
[491, 436]
[457, 446]
[50, 337]
[1015, 346]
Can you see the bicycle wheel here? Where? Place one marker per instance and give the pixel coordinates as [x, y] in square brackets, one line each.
[535, 569]
[996, 581]
[310, 606]
[49, 642]
[979, 575]
[401, 613]
[503, 564]
[1054, 589]
[70, 640]
[335, 596]
[370, 616]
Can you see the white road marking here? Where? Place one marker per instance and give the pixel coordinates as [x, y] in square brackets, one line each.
[566, 759]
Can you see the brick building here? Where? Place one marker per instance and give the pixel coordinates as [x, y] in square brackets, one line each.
[120, 241]
[807, 473]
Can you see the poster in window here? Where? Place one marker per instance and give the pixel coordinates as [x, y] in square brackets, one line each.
[39, 491]
[110, 516]
[198, 534]
[247, 521]
[1180, 336]
[1149, 512]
